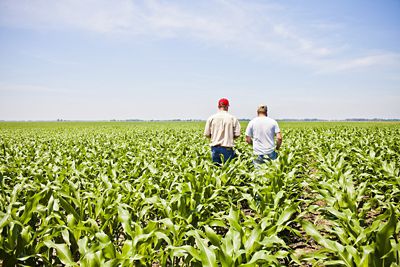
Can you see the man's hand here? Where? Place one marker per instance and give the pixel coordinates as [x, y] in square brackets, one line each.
[249, 140]
[278, 141]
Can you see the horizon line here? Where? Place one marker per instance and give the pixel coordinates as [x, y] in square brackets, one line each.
[194, 120]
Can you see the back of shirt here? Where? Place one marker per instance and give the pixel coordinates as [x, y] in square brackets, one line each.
[223, 128]
[262, 130]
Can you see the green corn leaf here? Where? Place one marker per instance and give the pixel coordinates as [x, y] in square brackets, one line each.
[367, 254]
[251, 242]
[179, 251]
[236, 241]
[233, 219]
[13, 234]
[124, 219]
[260, 257]
[63, 252]
[286, 215]
[30, 207]
[83, 245]
[212, 236]
[127, 249]
[206, 253]
[218, 223]
[335, 263]
[5, 219]
[354, 255]
[278, 198]
[26, 234]
[91, 259]
[142, 238]
[313, 232]
[163, 236]
[68, 208]
[112, 263]
[108, 247]
[65, 235]
[383, 238]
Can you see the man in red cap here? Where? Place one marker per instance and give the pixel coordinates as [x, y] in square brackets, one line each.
[222, 128]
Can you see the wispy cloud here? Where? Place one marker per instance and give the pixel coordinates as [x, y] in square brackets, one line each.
[301, 43]
[369, 60]
[240, 25]
[379, 59]
[48, 58]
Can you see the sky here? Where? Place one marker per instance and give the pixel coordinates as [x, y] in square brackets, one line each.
[127, 59]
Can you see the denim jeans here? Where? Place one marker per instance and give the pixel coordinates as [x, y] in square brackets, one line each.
[217, 152]
[265, 158]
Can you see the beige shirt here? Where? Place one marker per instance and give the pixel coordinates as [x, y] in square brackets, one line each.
[222, 127]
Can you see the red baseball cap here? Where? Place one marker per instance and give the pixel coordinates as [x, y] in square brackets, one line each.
[223, 102]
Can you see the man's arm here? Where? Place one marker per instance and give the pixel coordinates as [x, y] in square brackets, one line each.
[207, 130]
[236, 129]
[249, 133]
[278, 140]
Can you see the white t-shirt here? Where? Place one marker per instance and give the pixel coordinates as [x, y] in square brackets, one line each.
[262, 130]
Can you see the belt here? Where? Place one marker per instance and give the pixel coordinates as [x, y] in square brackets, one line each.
[227, 147]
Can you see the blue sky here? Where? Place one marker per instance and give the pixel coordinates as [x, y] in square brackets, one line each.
[123, 59]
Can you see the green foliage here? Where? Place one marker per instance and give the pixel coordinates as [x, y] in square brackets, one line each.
[142, 194]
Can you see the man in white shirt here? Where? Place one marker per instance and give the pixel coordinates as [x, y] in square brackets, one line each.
[222, 128]
[261, 132]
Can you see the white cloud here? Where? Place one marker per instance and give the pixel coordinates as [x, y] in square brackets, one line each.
[382, 59]
[303, 44]
[241, 25]
[371, 60]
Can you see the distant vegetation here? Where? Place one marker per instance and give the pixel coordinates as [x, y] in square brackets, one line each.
[241, 119]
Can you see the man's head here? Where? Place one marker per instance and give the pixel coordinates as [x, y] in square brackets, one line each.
[223, 103]
[262, 110]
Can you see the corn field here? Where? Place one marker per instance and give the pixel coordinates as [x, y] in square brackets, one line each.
[147, 194]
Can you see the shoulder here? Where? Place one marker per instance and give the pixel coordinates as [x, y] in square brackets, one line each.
[275, 124]
[256, 120]
[272, 120]
[231, 116]
[253, 121]
[212, 117]
[209, 121]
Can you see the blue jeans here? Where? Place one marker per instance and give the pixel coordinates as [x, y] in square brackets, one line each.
[217, 152]
[265, 158]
